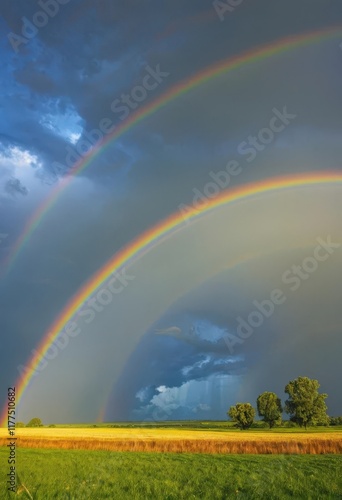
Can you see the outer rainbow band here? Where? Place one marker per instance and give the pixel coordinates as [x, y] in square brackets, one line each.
[211, 72]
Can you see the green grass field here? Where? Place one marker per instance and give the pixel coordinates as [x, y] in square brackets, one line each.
[81, 474]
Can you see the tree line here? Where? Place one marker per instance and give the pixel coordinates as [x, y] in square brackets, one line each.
[304, 405]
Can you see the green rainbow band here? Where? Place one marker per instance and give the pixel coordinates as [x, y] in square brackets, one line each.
[152, 236]
[213, 71]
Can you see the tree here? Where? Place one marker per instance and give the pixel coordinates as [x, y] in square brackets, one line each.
[269, 407]
[35, 422]
[305, 405]
[243, 414]
[335, 421]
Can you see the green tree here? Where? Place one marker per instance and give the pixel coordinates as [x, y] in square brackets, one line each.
[35, 422]
[269, 407]
[335, 421]
[243, 415]
[305, 405]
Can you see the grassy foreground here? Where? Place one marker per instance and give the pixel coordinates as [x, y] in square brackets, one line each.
[80, 474]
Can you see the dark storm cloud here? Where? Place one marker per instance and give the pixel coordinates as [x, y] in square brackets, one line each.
[38, 81]
[208, 366]
[14, 186]
[170, 362]
[100, 61]
[214, 346]
[103, 48]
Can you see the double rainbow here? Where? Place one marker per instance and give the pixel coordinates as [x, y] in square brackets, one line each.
[148, 239]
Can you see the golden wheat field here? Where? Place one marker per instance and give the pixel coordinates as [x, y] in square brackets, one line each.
[178, 441]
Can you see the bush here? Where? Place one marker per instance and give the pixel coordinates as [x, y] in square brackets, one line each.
[335, 420]
[35, 422]
[289, 424]
[20, 424]
[259, 425]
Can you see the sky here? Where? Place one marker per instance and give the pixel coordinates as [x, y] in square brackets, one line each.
[166, 347]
